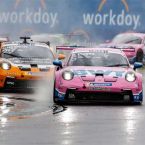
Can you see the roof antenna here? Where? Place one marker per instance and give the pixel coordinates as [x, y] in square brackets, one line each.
[25, 39]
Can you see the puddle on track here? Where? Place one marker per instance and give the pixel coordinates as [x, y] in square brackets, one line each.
[22, 106]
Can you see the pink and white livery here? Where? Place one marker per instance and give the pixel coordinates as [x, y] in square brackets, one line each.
[133, 45]
[97, 75]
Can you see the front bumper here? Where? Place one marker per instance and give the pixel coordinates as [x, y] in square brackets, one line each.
[24, 80]
[74, 95]
[15, 85]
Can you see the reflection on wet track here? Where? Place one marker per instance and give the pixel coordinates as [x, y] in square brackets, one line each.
[22, 106]
[15, 106]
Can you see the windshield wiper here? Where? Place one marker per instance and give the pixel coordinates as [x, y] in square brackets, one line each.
[115, 65]
[13, 55]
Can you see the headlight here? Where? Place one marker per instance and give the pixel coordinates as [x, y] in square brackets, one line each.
[130, 76]
[6, 65]
[68, 75]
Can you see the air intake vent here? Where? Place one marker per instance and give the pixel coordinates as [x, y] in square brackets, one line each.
[33, 65]
[44, 69]
[25, 68]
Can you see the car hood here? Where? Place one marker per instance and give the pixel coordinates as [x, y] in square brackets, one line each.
[99, 71]
[23, 61]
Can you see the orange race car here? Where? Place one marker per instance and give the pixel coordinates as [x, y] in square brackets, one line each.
[23, 65]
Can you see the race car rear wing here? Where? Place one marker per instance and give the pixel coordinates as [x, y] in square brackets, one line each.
[66, 49]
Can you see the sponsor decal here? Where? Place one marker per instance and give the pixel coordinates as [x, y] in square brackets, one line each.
[29, 16]
[12, 74]
[10, 83]
[37, 73]
[59, 95]
[138, 97]
[103, 2]
[100, 84]
[99, 89]
[111, 18]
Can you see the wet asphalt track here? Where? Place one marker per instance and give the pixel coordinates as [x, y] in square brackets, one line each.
[32, 119]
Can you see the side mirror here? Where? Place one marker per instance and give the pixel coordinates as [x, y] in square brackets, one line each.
[57, 63]
[137, 65]
[61, 56]
[48, 43]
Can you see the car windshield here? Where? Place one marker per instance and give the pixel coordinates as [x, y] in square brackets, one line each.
[97, 59]
[30, 51]
[127, 38]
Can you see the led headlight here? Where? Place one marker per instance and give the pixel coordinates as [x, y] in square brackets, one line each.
[130, 76]
[6, 65]
[68, 75]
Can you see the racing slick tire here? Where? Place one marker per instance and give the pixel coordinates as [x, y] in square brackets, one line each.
[139, 56]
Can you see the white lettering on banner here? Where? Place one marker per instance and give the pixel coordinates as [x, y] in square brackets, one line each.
[111, 19]
[29, 17]
[45, 18]
[13, 17]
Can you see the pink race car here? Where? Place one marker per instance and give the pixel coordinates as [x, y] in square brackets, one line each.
[97, 75]
[133, 45]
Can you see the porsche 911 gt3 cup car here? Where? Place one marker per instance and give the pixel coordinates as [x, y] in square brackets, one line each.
[133, 45]
[24, 64]
[98, 75]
